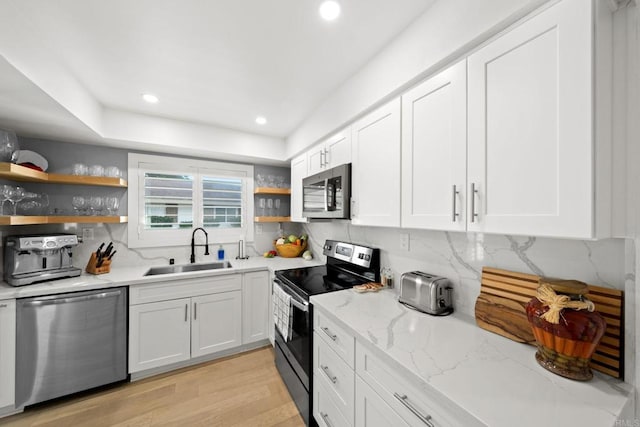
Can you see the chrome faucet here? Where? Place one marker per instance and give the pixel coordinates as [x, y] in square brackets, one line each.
[193, 244]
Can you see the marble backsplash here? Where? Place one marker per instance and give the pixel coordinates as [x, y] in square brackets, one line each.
[461, 256]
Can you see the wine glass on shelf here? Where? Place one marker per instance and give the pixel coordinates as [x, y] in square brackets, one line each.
[14, 195]
[95, 205]
[4, 196]
[277, 207]
[111, 204]
[79, 204]
[270, 207]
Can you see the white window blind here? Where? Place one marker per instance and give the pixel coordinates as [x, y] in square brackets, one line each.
[168, 201]
[169, 197]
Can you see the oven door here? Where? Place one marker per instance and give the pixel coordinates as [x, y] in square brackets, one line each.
[293, 357]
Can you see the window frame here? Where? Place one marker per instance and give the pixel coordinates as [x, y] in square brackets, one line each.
[139, 164]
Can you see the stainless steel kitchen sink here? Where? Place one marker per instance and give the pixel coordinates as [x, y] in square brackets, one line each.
[184, 268]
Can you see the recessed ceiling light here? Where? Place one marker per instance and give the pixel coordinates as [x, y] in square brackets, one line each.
[261, 120]
[329, 10]
[150, 98]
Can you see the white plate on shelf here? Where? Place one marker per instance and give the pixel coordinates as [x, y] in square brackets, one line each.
[28, 156]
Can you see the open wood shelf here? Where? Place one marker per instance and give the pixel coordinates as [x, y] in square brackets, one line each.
[20, 173]
[272, 190]
[37, 219]
[272, 219]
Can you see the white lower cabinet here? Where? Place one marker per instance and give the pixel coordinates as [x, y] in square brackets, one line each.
[7, 352]
[217, 323]
[372, 410]
[256, 301]
[175, 321]
[370, 393]
[159, 334]
[337, 376]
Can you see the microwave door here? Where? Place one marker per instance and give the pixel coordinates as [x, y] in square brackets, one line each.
[315, 197]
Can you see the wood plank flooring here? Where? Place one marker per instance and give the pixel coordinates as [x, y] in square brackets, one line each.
[241, 390]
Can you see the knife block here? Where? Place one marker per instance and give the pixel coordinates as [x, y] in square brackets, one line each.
[91, 265]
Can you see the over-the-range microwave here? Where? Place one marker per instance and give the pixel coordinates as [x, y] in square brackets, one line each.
[327, 194]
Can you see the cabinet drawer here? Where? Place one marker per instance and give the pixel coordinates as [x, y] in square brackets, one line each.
[416, 405]
[183, 288]
[372, 411]
[325, 410]
[341, 341]
[338, 375]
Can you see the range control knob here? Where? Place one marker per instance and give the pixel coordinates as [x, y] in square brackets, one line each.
[442, 303]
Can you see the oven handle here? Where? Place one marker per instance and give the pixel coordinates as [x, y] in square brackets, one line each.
[296, 299]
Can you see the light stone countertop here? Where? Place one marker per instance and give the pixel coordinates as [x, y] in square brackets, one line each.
[496, 380]
[124, 276]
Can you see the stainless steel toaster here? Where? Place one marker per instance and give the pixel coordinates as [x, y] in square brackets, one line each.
[426, 292]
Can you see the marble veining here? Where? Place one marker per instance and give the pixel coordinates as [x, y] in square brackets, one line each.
[493, 379]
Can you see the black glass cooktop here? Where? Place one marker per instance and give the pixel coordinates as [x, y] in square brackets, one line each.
[318, 280]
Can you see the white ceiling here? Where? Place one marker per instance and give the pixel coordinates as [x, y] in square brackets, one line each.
[213, 62]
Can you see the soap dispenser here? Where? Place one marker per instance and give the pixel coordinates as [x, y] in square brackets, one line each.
[220, 253]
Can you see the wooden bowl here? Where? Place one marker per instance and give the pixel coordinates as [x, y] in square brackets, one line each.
[289, 250]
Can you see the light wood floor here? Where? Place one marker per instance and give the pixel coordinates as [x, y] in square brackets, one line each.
[243, 390]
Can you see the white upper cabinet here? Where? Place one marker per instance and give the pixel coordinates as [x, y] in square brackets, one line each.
[531, 142]
[376, 167]
[298, 173]
[332, 152]
[434, 152]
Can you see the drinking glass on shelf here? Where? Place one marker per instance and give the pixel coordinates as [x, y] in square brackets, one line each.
[261, 206]
[79, 204]
[14, 195]
[280, 181]
[111, 204]
[271, 181]
[80, 169]
[96, 170]
[270, 207]
[112, 172]
[95, 205]
[277, 206]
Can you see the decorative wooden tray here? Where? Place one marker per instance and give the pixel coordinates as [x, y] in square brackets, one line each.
[500, 308]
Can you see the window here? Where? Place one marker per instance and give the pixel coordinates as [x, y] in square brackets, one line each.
[168, 197]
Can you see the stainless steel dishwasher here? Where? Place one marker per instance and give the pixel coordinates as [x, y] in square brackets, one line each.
[70, 342]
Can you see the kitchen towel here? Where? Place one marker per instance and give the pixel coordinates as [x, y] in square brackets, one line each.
[282, 315]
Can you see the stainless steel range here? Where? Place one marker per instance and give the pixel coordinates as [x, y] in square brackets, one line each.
[347, 265]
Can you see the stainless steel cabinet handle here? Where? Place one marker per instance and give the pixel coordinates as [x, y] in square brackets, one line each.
[322, 162]
[195, 310]
[327, 372]
[474, 191]
[405, 401]
[353, 208]
[327, 159]
[328, 332]
[186, 312]
[455, 214]
[325, 417]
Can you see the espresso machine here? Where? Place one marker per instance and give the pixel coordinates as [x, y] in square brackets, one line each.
[37, 258]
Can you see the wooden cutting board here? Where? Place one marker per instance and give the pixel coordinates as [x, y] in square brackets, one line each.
[500, 308]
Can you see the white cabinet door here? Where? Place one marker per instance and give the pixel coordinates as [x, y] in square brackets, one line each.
[338, 149]
[159, 334]
[7, 352]
[256, 299]
[530, 127]
[434, 152]
[217, 323]
[298, 173]
[332, 152]
[376, 167]
[372, 410]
